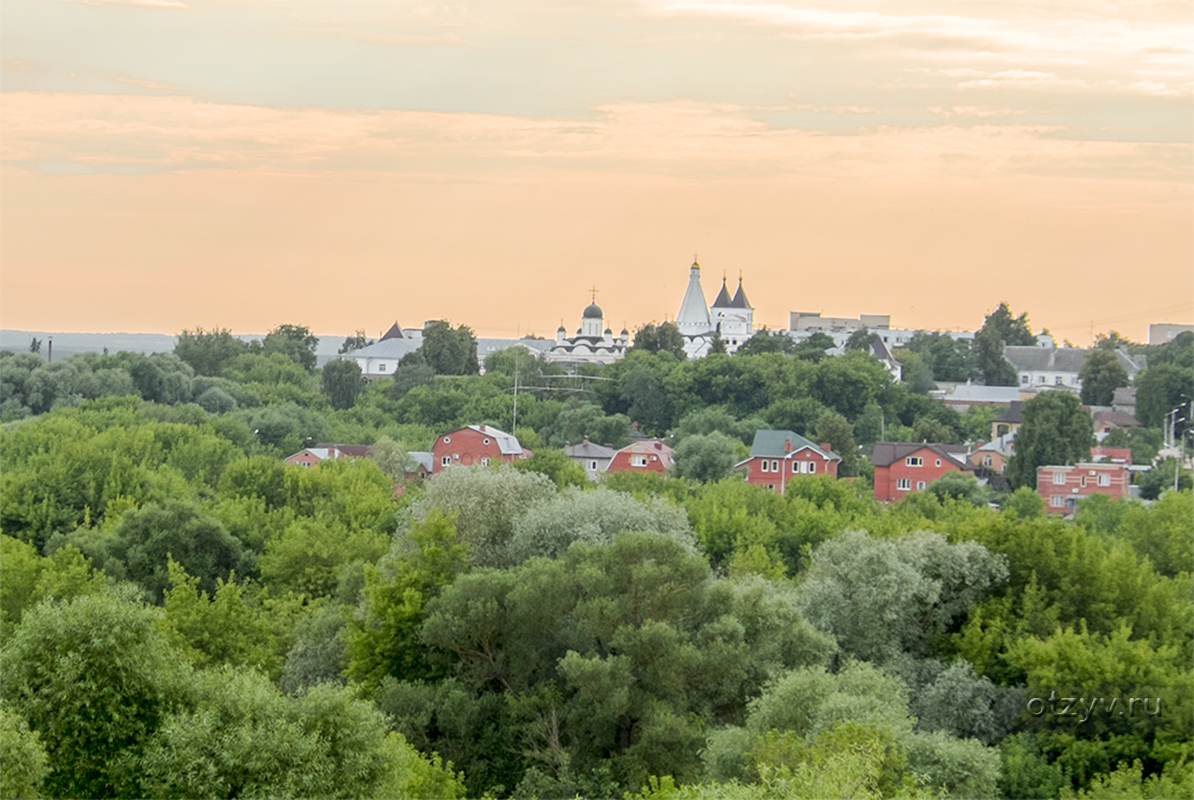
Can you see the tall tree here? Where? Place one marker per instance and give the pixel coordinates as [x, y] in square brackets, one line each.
[354, 342]
[999, 330]
[1056, 430]
[342, 383]
[448, 350]
[296, 342]
[836, 431]
[1101, 375]
[665, 337]
[209, 352]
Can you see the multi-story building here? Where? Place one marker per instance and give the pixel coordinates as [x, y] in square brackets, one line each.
[903, 467]
[1062, 487]
[778, 457]
[477, 444]
[645, 455]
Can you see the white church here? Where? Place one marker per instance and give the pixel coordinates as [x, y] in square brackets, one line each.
[592, 344]
[731, 318]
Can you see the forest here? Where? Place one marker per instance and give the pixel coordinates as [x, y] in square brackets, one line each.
[183, 615]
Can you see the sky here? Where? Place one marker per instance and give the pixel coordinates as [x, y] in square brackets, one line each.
[172, 164]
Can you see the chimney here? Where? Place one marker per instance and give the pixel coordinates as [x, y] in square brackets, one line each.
[584, 440]
[787, 445]
[825, 446]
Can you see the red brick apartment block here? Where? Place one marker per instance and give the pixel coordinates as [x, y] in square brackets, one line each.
[903, 467]
[1062, 487]
[779, 457]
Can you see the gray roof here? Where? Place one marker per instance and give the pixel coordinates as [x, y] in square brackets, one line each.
[1014, 413]
[1029, 358]
[507, 444]
[778, 443]
[1002, 445]
[971, 393]
[395, 332]
[592, 311]
[723, 297]
[887, 453]
[386, 348]
[588, 450]
[423, 458]
[740, 300]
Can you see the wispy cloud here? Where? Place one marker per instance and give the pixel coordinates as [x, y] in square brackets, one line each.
[685, 138]
[142, 3]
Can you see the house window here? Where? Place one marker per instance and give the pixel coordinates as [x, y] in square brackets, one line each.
[920, 485]
[1057, 501]
[381, 367]
[1082, 481]
[914, 461]
[447, 440]
[1057, 381]
[766, 465]
[446, 461]
[903, 484]
[938, 462]
[812, 467]
[485, 442]
[1040, 379]
[638, 461]
[592, 466]
[797, 466]
[1059, 478]
[775, 466]
[1023, 379]
[986, 461]
[1104, 479]
[485, 461]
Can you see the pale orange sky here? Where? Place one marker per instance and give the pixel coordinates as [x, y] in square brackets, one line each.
[343, 166]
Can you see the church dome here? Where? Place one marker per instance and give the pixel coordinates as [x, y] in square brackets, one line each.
[592, 311]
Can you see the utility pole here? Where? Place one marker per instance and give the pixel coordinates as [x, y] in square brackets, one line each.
[514, 421]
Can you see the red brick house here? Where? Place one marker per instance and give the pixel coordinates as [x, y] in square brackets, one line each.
[476, 444]
[904, 467]
[311, 456]
[1062, 487]
[645, 455]
[779, 457]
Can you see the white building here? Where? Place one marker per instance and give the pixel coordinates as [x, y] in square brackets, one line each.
[730, 318]
[592, 344]
[803, 324]
[1059, 368]
[380, 359]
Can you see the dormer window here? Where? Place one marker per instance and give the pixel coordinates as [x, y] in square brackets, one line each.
[914, 461]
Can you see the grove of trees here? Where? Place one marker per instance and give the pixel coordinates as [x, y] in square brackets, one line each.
[183, 615]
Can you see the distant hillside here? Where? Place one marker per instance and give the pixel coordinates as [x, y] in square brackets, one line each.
[68, 344]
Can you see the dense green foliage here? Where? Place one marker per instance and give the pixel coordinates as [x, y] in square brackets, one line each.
[183, 615]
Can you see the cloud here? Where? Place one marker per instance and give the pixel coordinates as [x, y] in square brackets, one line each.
[144, 83]
[120, 133]
[141, 3]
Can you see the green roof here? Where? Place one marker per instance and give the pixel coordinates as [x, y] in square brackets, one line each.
[771, 444]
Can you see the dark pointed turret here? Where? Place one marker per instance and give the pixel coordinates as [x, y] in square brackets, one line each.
[739, 300]
[723, 297]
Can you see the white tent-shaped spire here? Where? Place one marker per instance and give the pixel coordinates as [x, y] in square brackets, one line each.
[694, 311]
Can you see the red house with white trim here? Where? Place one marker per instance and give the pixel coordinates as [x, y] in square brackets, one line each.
[905, 467]
[779, 457]
[476, 444]
[645, 455]
[1062, 487]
